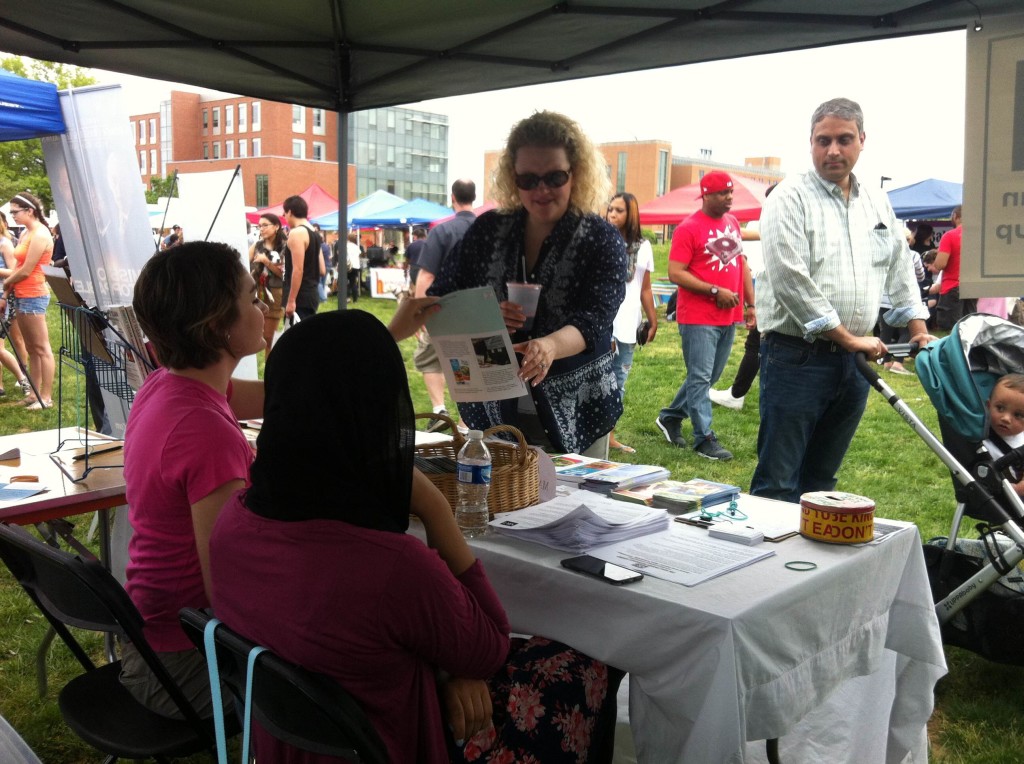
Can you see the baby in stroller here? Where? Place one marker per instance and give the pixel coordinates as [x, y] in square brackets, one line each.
[1006, 422]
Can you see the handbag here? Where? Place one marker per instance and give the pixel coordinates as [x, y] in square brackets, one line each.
[642, 331]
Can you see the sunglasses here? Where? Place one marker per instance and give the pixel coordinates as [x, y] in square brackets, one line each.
[554, 179]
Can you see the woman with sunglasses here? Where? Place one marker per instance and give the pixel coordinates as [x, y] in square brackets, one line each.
[32, 294]
[550, 182]
[266, 264]
[624, 214]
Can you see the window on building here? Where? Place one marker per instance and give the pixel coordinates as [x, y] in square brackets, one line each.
[257, 109]
[262, 191]
[152, 130]
[243, 147]
[319, 151]
[216, 149]
[133, 127]
[298, 119]
[216, 120]
[206, 151]
[152, 162]
[371, 118]
[391, 156]
[142, 132]
[142, 162]
[206, 120]
[372, 153]
[257, 149]
[229, 118]
[229, 149]
[391, 119]
[620, 180]
[243, 117]
[319, 122]
[662, 172]
[298, 149]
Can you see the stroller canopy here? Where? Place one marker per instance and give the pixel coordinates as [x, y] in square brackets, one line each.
[959, 371]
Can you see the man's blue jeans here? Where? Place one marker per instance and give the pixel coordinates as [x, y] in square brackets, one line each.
[811, 404]
[705, 353]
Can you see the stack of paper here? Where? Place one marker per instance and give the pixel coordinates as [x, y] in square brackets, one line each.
[579, 522]
[627, 476]
[740, 534]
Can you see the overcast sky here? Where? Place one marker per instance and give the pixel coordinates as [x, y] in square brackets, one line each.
[911, 90]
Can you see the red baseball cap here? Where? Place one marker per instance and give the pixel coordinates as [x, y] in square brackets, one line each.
[714, 182]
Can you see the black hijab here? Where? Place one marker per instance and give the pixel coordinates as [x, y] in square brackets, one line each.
[337, 438]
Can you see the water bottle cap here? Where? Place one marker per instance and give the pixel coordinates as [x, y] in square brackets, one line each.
[475, 435]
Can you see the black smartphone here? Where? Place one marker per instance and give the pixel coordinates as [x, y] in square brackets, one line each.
[613, 574]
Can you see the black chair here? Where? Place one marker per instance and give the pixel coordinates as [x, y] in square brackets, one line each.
[304, 709]
[71, 590]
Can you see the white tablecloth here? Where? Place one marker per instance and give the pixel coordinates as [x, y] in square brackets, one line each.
[749, 655]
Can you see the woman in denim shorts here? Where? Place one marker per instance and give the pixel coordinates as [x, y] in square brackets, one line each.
[7, 329]
[27, 283]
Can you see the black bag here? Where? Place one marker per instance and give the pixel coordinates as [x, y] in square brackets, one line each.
[641, 332]
[992, 624]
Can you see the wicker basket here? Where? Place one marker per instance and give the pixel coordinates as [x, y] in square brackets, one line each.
[515, 481]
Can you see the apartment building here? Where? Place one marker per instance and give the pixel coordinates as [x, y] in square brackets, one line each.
[283, 148]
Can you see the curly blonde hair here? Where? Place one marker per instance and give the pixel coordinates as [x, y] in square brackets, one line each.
[591, 186]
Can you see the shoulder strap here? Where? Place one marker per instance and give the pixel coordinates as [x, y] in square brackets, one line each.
[209, 642]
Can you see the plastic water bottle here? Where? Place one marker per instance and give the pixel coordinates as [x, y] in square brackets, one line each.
[474, 469]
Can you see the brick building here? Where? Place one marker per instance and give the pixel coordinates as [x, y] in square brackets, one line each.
[283, 148]
[648, 169]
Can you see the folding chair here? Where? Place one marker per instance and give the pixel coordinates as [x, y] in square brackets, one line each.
[71, 590]
[304, 709]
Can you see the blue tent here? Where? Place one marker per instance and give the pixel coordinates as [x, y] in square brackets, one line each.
[28, 108]
[375, 202]
[927, 199]
[416, 212]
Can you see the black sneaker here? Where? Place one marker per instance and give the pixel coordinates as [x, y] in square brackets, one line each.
[670, 428]
[710, 448]
[436, 425]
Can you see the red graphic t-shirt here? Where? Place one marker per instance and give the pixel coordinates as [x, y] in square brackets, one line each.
[712, 249]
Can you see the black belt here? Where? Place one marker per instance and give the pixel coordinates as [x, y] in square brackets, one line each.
[818, 346]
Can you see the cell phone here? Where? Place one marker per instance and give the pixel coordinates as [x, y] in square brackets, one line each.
[591, 566]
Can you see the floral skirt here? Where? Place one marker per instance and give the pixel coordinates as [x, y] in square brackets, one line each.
[546, 704]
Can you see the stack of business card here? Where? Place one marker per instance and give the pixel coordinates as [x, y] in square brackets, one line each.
[741, 534]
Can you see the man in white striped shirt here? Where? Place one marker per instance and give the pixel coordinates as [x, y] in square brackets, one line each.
[832, 247]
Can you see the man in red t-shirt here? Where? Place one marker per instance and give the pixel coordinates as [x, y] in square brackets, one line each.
[715, 292]
[950, 307]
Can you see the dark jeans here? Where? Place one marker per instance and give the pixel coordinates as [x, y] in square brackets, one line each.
[749, 364]
[811, 403]
[705, 353]
[951, 308]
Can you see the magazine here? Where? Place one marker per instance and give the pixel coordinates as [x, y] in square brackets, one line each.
[624, 477]
[474, 347]
[693, 494]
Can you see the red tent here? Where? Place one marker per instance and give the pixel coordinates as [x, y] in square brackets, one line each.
[680, 203]
[320, 203]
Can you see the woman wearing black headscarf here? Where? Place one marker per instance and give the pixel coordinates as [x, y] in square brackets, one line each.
[327, 577]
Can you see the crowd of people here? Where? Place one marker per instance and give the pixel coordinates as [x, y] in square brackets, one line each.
[254, 535]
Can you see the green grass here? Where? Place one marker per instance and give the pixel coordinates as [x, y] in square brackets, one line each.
[979, 706]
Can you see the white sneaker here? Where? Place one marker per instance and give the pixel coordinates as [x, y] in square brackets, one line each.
[725, 398]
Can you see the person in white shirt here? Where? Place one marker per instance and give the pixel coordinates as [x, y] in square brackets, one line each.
[832, 247]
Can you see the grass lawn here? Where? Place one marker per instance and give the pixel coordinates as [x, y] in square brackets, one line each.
[979, 717]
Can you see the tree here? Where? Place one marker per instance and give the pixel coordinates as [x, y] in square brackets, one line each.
[21, 162]
[159, 187]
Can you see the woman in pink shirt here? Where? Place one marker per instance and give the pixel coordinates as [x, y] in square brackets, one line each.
[316, 564]
[184, 452]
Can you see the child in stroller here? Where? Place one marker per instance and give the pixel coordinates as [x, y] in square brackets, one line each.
[1006, 423]
[974, 379]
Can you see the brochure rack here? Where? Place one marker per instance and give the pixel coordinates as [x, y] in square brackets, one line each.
[96, 350]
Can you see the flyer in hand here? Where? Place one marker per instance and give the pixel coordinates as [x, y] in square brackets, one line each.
[474, 348]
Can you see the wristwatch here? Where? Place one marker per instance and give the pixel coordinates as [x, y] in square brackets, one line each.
[714, 291]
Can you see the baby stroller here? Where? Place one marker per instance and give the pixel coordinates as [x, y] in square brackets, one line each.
[978, 590]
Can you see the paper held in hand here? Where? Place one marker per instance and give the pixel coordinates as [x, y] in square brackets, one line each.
[474, 347]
